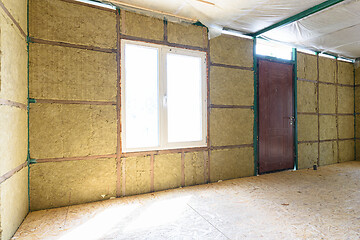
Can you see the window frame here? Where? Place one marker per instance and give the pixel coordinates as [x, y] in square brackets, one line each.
[163, 50]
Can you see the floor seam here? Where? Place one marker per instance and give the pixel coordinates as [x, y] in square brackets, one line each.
[208, 222]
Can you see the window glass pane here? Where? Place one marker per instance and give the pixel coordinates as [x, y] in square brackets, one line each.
[141, 96]
[184, 98]
[273, 50]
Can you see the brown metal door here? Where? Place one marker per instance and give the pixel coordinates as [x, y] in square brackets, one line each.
[276, 126]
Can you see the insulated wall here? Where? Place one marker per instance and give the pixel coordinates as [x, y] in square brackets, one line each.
[357, 112]
[325, 111]
[13, 116]
[75, 123]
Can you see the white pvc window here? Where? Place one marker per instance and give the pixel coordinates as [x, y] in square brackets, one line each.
[163, 97]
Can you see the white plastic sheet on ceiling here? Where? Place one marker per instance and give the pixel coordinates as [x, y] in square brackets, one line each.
[334, 30]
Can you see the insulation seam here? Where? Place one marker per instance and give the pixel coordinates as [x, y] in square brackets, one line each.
[183, 46]
[44, 160]
[212, 64]
[71, 45]
[231, 106]
[32, 100]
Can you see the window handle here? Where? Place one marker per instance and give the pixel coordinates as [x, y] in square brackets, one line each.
[165, 101]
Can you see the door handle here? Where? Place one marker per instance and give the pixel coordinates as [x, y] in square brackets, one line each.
[292, 120]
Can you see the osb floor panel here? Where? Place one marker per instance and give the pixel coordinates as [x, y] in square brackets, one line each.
[306, 204]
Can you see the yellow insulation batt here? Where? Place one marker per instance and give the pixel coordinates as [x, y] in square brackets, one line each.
[328, 127]
[328, 153]
[346, 126]
[13, 203]
[72, 23]
[307, 155]
[70, 130]
[231, 86]
[346, 73]
[137, 25]
[194, 167]
[13, 138]
[307, 127]
[18, 9]
[346, 150]
[167, 171]
[357, 99]
[13, 75]
[307, 97]
[231, 163]
[231, 50]
[327, 70]
[327, 96]
[346, 100]
[72, 74]
[137, 173]
[307, 66]
[187, 34]
[231, 126]
[57, 184]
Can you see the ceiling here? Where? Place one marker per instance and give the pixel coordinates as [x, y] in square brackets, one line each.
[334, 30]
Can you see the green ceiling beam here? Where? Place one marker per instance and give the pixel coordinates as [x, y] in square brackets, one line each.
[298, 16]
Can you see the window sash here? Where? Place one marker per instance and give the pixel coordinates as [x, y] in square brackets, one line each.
[163, 110]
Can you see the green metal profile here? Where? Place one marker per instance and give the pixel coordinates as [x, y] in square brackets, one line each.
[294, 58]
[28, 98]
[355, 114]
[298, 16]
[255, 131]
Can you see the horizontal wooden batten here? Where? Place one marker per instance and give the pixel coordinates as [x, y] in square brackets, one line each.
[144, 153]
[73, 102]
[64, 159]
[231, 146]
[127, 37]
[231, 106]
[9, 174]
[166, 151]
[71, 45]
[307, 80]
[326, 114]
[90, 5]
[314, 141]
[326, 83]
[13, 19]
[230, 66]
[307, 113]
[13, 104]
[326, 140]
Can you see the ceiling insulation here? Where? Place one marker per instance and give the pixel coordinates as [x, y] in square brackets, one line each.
[334, 30]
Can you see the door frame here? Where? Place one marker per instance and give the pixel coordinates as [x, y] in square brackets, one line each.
[293, 62]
